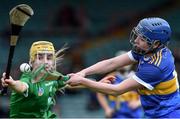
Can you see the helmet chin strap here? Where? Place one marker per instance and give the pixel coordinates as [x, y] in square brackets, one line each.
[138, 50]
[151, 50]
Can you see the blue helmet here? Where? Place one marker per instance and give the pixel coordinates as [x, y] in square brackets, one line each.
[152, 30]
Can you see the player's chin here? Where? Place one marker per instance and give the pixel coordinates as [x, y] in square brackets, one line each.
[137, 49]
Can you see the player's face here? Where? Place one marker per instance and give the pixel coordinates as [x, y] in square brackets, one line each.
[44, 58]
[141, 43]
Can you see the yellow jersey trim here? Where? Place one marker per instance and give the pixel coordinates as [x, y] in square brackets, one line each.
[163, 88]
[156, 58]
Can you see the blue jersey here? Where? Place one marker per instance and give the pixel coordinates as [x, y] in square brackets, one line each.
[160, 95]
[120, 103]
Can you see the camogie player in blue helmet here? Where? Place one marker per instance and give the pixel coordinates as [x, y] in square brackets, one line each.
[155, 78]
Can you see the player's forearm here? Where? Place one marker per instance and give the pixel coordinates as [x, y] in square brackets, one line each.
[19, 86]
[75, 87]
[108, 65]
[118, 89]
[100, 67]
[102, 87]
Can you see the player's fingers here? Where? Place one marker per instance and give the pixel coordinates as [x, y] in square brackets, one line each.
[10, 78]
[4, 84]
[4, 75]
[2, 80]
[108, 79]
[9, 81]
[104, 81]
[70, 81]
[112, 79]
[70, 75]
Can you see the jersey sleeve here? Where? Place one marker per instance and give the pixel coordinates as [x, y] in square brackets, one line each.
[134, 56]
[61, 82]
[25, 78]
[149, 76]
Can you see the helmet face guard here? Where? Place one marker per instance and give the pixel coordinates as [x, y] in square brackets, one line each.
[151, 30]
[134, 34]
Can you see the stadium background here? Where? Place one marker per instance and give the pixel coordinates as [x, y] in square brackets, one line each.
[93, 30]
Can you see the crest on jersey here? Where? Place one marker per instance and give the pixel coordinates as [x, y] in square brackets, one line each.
[146, 58]
[40, 91]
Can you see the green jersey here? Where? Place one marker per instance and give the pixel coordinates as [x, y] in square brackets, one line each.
[37, 101]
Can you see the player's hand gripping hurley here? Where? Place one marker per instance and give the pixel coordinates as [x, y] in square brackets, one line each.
[19, 15]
